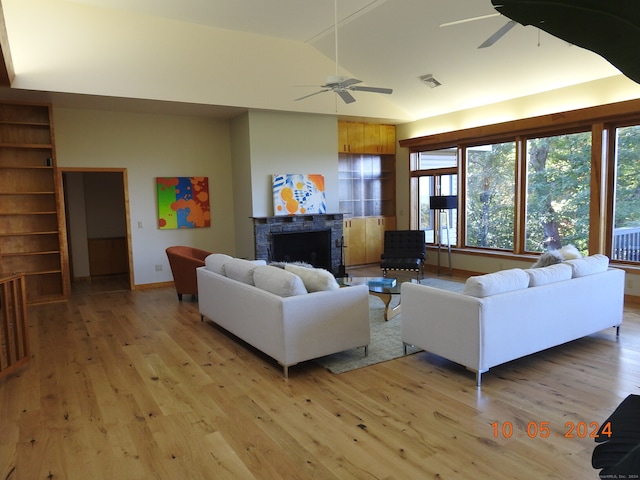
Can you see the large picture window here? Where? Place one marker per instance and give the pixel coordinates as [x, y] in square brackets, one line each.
[538, 183]
[490, 176]
[626, 226]
[558, 192]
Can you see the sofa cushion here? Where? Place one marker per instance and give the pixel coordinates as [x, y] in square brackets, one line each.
[240, 270]
[494, 283]
[550, 274]
[278, 281]
[215, 262]
[588, 265]
[314, 279]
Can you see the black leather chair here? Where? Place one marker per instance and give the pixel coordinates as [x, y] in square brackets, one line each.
[403, 250]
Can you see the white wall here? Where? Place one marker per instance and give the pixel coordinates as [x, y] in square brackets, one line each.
[150, 146]
[265, 143]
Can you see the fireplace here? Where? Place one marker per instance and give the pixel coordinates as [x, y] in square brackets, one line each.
[315, 239]
[310, 247]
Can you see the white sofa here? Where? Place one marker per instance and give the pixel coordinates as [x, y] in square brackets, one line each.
[512, 313]
[278, 313]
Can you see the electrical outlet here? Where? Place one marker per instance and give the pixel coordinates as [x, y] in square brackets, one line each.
[158, 268]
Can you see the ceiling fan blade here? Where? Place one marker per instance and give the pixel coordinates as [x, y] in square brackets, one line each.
[346, 96]
[372, 89]
[472, 19]
[312, 94]
[350, 81]
[498, 35]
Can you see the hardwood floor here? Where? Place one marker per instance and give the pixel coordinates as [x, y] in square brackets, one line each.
[131, 385]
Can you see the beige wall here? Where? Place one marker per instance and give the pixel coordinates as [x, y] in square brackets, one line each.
[150, 146]
[239, 157]
[265, 143]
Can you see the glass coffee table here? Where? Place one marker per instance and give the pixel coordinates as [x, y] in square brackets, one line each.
[382, 287]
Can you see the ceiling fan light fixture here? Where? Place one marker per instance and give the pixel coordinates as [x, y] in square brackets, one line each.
[430, 81]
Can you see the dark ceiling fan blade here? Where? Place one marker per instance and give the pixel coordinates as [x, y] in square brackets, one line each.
[312, 94]
[610, 29]
[349, 81]
[346, 96]
[372, 89]
[498, 35]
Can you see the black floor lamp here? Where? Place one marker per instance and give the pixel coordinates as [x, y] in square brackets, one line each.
[439, 203]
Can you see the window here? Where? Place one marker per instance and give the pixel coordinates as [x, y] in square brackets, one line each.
[558, 192]
[626, 223]
[537, 183]
[490, 195]
[434, 173]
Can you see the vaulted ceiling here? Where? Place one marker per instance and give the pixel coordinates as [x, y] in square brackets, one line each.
[228, 55]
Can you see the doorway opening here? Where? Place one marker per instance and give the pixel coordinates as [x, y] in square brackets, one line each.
[98, 236]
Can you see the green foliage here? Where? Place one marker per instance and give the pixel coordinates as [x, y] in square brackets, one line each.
[558, 190]
[490, 196]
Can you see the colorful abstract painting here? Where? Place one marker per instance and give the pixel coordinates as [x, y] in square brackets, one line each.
[295, 194]
[183, 202]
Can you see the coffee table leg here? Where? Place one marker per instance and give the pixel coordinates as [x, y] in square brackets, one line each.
[389, 312]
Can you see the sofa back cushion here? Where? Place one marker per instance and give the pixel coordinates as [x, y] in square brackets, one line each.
[550, 274]
[240, 270]
[494, 283]
[215, 262]
[278, 281]
[581, 267]
[314, 279]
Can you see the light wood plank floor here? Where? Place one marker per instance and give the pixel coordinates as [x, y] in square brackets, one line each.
[131, 385]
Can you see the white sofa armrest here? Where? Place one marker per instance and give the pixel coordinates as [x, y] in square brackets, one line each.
[442, 322]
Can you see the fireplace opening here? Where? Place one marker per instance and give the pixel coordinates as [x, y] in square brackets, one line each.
[310, 247]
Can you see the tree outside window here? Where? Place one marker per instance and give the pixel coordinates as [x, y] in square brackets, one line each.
[490, 195]
[558, 192]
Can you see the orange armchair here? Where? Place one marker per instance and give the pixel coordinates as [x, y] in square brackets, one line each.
[183, 262]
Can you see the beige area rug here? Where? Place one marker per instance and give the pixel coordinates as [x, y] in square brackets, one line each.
[385, 336]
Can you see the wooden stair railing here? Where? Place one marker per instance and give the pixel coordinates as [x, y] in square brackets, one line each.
[14, 335]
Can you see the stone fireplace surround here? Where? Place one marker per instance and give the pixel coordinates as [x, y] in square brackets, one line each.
[265, 227]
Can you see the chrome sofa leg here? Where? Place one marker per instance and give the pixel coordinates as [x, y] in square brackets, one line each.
[366, 350]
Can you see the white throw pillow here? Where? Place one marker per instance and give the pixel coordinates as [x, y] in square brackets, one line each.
[494, 283]
[215, 262]
[550, 274]
[569, 252]
[314, 279]
[588, 265]
[278, 281]
[240, 270]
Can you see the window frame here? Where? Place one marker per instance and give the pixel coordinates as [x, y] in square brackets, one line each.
[601, 121]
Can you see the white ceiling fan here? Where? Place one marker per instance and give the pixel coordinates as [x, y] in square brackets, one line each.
[501, 32]
[343, 85]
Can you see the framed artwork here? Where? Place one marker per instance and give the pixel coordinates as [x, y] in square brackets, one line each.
[183, 202]
[296, 194]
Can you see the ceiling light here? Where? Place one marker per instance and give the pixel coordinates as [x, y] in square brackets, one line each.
[429, 81]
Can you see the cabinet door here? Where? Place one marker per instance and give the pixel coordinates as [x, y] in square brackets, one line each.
[343, 137]
[375, 238]
[356, 137]
[371, 138]
[355, 241]
[388, 139]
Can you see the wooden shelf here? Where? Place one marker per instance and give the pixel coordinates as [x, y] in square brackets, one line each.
[32, 239]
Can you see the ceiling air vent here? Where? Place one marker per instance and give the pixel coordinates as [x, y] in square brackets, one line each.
[429, 81]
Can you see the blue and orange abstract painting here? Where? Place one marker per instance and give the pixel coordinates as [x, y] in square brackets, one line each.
[183, 202]
[296, 194]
